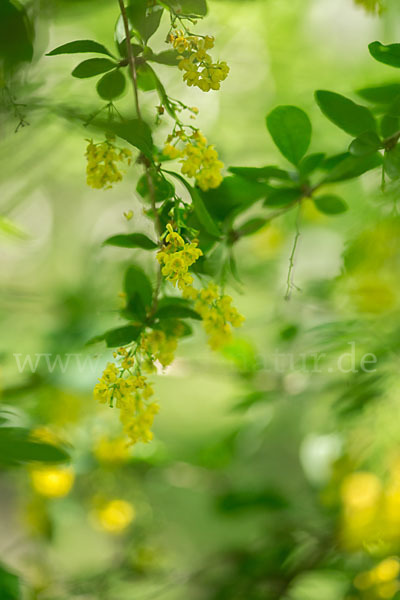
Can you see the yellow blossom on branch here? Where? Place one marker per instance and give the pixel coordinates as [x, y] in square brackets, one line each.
[102, 170]
[131, 392]
[198, 66]
[177, 257]
[198, 159]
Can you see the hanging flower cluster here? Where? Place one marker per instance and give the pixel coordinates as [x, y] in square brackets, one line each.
[177, 257]
[157, 346]
[102, 170]
[218, 314]
[131, 392]
[198, 66]
[215, 308]
[198, 158]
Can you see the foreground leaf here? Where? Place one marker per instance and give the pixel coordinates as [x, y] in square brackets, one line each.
[346, 114]
[330, 204]
[388, 55]
[131, 240]
[121, 336]
[111, 85]
[290, 129]
[92, 67]
[17, 446]
[79, 46]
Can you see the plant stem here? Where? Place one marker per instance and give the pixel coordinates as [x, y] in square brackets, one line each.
[145, 161]
[289, 281]
[131, 56]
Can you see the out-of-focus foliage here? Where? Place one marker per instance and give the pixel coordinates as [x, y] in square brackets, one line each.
[274, 468]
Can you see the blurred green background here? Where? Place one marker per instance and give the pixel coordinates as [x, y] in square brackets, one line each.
[241, 493]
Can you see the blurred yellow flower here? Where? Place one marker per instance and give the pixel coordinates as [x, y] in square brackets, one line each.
[116, 515]
[111, 450]
[52, 482]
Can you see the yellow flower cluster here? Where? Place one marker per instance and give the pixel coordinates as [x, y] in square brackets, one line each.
[218, 314]
[131, 392]
[198, 66]
[198, 158]
[380, 581]
[372, 6]
[371, 510]
[157, 346]
[102, 158]
[177, 257]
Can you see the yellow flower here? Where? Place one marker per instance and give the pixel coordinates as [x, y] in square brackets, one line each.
[199, 68]
[52, 482]
[218, 314]
[198, 159]
[177, 257]
[102, 170]
[130, 391]
[111, 450]
[116, 515]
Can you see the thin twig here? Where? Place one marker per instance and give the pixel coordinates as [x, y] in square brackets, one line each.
[131, 56]
[289, 281]
[145, 161]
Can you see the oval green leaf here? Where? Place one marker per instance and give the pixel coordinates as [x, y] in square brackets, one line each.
[79, 46]
[346, 114]
[290, 129]
[131, 240]
[92, 67]
[111, 85]
[330, 204]
[388, 55]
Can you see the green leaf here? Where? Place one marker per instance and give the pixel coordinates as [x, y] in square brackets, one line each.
[79, 46]
[251, 500]
[175, 308]
[164, 98]
[144, 19]
[131, 240]
[346, 114]
[111, 85]
[252, 226]
[195, 8]
[381, 94]
[345, 166]
[17, 446]
[137, 282]
[389, 125]
[290, 129]
[330, 204]
[16, 34]
[367, 143]
[92, 67]
[388, 55]
[199, 207]
[260, 173]
[9, 585]
[391, 162]
[283, 196]
[234, 195]
[121, 336]
[146, 80]
[163, 189]
[310, 163]
[136, 132]
[167, 57]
